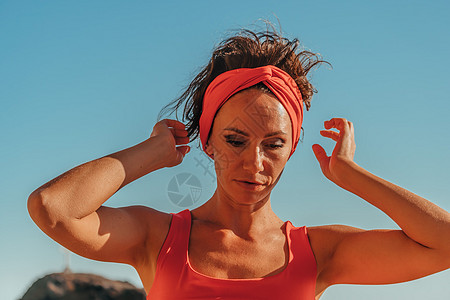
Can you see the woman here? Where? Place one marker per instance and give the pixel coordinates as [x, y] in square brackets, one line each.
[247, 107]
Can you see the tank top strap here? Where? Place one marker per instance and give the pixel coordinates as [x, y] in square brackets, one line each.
[301, 257]
[175, 280]
[172, 256]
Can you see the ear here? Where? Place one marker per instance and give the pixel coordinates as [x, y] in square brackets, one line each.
[209, 149]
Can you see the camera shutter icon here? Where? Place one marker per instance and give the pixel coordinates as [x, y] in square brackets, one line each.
[184, 189]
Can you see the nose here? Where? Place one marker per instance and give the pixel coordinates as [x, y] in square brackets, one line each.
[253, 159]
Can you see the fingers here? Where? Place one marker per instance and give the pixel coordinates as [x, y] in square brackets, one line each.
[321, 157]
[180, 135]
[330, 134]
[344, 126]
[319, 152]
[178, 130]
[174, 124]
[345, 139]
[338, 123]
[182, 140]
[184, 149]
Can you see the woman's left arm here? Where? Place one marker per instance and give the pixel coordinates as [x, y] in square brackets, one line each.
[421, 220]
[421, 248]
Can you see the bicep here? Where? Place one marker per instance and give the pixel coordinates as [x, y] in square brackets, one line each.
[108, 234]
[380, 257]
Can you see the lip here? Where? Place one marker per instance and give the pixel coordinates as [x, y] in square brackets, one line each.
[249, 186]
[251, 181]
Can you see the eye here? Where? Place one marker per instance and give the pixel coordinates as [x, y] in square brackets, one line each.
[237, 143]
[234, 143]
[274, 146]
[233, 140]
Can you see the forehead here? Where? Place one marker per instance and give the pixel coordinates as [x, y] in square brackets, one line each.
[255, 111]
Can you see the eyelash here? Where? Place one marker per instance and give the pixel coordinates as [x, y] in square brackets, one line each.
[233, 143]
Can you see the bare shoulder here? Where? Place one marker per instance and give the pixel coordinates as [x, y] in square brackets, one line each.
[324, 240]
[157, 225]
[376, 256]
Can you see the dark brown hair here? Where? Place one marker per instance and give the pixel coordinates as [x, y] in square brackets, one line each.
[247, 49]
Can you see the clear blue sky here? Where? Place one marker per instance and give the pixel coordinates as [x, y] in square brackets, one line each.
[83, 79]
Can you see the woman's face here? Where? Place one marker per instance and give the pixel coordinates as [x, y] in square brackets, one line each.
[251, 140]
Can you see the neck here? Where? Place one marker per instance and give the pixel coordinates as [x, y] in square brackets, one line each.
[245, 220]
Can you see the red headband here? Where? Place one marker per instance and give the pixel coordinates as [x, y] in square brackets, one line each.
[229, 83]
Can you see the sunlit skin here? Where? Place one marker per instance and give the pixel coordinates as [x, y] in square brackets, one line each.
[242, 151]
[235, 234]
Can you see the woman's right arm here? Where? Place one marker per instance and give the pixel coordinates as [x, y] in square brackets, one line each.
[70, 210]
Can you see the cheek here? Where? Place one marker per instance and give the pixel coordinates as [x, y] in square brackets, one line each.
[224, 156]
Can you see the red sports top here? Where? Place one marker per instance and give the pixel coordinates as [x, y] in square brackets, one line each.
[176, 279]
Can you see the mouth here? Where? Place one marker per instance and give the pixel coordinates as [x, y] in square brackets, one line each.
[250, 185]
[251, 182]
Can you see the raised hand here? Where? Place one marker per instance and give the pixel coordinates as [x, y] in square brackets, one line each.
[343, 152]
[170, 133]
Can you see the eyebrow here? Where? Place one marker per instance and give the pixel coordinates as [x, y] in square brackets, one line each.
[246, 134]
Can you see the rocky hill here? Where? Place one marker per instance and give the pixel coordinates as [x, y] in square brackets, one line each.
[79, 286]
